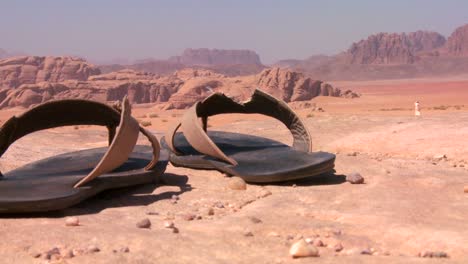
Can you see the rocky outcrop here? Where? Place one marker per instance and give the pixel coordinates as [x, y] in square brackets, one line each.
[457, 43]
[177, 91]
[292, 86]
[385, 48]
[33, 69]
[139, 87]
[216, 57]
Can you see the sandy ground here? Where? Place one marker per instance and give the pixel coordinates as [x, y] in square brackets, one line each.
[409, 203]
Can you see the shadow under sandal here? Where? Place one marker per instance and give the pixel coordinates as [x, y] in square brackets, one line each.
[64, 180]
[255, 159]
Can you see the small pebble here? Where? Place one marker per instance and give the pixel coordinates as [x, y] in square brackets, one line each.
[92, 249]
[255, 220]
[318, 243]
[144, 223]
[152, 213]
[431, 254]
[168, 224]
[352, 154]
[175, 197]
[175, 230]
[248, 233]
[465, 189]
[237, 183]
[355, 178]
[309, 240]
[302, 249]
[124, 249]
[208, 211]
[219, 205]
[439, 157]
[338, 247]
[35, 254]
[188, 217]
[78, 251]
[68, 254]
[366, 252]
[72, 221]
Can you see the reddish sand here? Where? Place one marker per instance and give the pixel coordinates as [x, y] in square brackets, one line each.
[410, 202]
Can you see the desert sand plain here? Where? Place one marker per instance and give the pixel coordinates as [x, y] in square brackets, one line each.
[410, 202]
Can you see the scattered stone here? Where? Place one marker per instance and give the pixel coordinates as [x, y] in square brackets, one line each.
[237, 183]
[144, 223]
[289, 237]
[188, 217]
[208, 211]
[294, 185]
[168, 224]
[355, 178]
[248, 233]
[303, 249]
[92, 249]
[152, 213]
[68, 254]
[78, 251]
[318, 243]
[309, 240]
[175, 197]
[439, 157]
[255, 220]
[175, 230]
[35, 254]
[337, 232]
[352, 154]
[366, 252]
[124, 250]
[72, 221]
[338, 247]
[465, 189]
[219, 205]
[432, 254]
[264, 193]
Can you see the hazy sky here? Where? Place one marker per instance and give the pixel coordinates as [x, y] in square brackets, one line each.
[102, 30]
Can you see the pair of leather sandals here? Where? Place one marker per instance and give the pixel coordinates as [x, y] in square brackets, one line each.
[64, 180]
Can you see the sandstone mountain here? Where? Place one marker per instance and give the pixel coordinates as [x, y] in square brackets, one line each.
[32, 69]
[391, 56]
[176, 91]
[228, 62]
[457, 44]
[384, 48]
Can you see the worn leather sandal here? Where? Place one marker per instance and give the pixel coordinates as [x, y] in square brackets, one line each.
[255, 159]
[64, 180]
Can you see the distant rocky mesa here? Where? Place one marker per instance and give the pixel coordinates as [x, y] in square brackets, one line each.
[32, 69]
[228, 62]
[385, 48]
[391, 56]
[457, 44]
[27, 81]
[205, 57]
